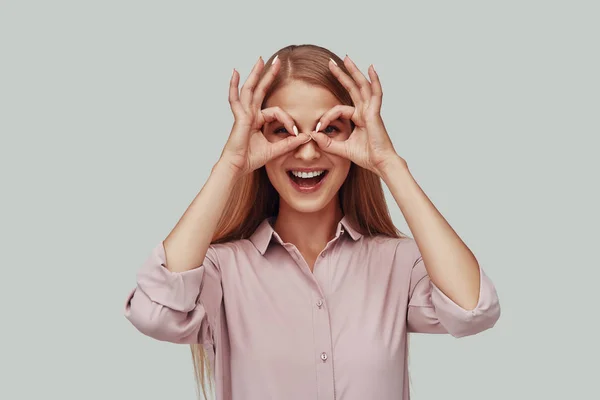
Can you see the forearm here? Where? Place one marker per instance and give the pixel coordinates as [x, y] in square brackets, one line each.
[450, 264]
[187, 244]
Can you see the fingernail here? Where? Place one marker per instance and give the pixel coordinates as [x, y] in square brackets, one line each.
[318, 126]
[273, 62]
[295, 130]
[333, 61]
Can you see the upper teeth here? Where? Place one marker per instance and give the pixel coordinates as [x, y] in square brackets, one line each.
[311, 174]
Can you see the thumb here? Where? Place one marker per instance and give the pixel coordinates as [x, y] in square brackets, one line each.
[329, 145]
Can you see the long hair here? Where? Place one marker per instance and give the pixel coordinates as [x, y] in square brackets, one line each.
[253, 198]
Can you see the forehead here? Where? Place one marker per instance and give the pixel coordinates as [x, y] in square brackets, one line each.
[299, 99]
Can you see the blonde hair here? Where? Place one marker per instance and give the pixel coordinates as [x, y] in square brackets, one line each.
[253, 198]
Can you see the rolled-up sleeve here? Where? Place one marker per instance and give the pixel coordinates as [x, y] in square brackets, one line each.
[431, 311]
[178, 307]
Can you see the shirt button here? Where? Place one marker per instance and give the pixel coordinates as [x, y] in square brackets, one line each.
[323, 254]
[320, 303]
[324, 356]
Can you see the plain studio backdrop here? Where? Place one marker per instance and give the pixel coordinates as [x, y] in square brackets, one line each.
[112, 114]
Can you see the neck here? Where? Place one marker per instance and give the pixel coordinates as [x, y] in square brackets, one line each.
[309, 232]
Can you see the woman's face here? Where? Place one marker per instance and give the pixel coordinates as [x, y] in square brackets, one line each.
[306, 104]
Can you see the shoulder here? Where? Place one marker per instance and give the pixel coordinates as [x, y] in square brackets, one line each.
[403, 244]
[220, 253]
[403, 250]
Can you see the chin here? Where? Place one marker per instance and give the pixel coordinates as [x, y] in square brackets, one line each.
[305, 205]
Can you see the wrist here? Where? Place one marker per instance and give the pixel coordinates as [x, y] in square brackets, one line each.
[391, 165]
[225, 170]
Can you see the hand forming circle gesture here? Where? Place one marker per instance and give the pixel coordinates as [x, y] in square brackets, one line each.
[247, 148]
[369, 145]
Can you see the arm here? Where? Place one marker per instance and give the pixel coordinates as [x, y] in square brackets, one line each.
[188, 242]
[449, 292]
[449, 262]
[178, 290]
[431, 311]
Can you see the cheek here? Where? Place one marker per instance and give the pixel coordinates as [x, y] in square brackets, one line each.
[343, 164]
[341, 136]
[270, 172]
[274, 172]
[342, 168]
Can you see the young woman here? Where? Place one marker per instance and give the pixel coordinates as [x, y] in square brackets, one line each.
[286, 273]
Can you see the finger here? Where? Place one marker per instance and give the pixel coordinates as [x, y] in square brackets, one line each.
[234, 98]
[265, 82]
[338, 111]
[359, 77]
[277, 114]
[329, 145]
[347, 82]
[248, 87]
[377, 95]
[288, 144]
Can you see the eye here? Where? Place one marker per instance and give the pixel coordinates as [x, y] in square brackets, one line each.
[334, 129]
[280, 130]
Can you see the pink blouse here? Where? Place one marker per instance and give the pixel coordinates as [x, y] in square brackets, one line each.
[275, 330]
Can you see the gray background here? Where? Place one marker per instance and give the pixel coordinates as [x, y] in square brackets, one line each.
[112, 114]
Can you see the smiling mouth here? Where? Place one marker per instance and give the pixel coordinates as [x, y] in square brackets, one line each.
[307, 182]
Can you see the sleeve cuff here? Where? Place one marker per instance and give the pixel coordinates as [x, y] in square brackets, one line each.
[461, 322]
[176, 290]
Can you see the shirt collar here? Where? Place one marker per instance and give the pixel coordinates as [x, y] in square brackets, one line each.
[264, 233]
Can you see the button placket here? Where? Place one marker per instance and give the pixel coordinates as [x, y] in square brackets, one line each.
[323, 347]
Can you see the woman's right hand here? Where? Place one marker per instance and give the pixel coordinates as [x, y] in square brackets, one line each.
[247, 149]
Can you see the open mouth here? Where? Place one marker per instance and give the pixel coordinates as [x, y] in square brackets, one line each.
[307, 182]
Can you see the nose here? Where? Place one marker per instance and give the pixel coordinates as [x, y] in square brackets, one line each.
[308, 151]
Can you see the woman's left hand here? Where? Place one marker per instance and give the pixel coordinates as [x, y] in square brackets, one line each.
[369, 145]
